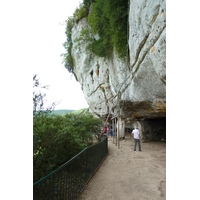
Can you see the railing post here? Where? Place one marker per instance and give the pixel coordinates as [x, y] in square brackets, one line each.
[113, 128]
[53, 192]
[86, 164]
[106, 146]
[118, 142]
[116, 131]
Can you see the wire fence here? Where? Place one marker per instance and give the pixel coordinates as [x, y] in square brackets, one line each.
[68, 181]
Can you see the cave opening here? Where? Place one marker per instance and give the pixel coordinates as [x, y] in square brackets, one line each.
[154, 129]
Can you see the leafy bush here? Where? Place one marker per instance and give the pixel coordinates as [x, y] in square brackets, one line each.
[79, 13]
[88, 2]
[56, 139]
[109, 20]
[68, 61]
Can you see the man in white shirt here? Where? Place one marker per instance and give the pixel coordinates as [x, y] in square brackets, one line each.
[136, 135]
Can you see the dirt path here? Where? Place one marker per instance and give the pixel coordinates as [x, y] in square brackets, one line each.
[130, 175]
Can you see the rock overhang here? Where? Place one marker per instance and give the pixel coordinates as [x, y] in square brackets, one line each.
[133, 88]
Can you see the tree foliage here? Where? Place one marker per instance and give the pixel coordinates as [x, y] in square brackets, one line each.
[80, 12]
[108, 19]
[67, 57]
[88, 2]
[57, 138]
[39, 98]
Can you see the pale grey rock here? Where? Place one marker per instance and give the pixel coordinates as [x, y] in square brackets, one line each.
[133, 89]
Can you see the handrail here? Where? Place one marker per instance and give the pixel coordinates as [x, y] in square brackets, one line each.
[53, 172]
[68, 181]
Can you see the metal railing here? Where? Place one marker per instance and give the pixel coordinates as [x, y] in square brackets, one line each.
[68, 181]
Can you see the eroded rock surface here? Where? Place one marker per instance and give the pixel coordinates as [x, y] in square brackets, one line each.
[133, 88]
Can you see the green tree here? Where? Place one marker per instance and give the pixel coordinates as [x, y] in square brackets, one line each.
[88, 2]
[39, 98]
[109, 19]
[57, 138]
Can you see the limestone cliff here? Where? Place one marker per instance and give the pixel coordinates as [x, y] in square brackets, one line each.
[133, 89]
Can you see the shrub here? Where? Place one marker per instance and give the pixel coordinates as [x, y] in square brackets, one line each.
[56, 139]
[79, 13]
[68, 61]
[109, 20]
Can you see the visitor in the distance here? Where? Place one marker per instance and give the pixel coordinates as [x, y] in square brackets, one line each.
[136, 136]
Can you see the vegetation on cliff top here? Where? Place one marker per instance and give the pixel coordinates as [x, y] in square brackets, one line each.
[108, 19]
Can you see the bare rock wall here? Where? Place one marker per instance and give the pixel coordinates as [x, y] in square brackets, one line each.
[134, 88]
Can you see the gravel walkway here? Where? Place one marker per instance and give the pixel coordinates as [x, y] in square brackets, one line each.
[130, 175]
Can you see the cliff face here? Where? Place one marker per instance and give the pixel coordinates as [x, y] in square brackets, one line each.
[134, 88]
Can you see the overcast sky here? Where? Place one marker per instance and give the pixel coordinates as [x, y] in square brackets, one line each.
[49, 36]
[31, 42]
[31, 38]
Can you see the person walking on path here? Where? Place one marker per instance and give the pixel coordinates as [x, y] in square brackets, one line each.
[105, 130]
[111, 131]
[136, 135]
[108, 131]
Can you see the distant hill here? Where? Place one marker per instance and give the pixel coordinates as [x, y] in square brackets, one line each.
[81, 111]
[61, 112]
